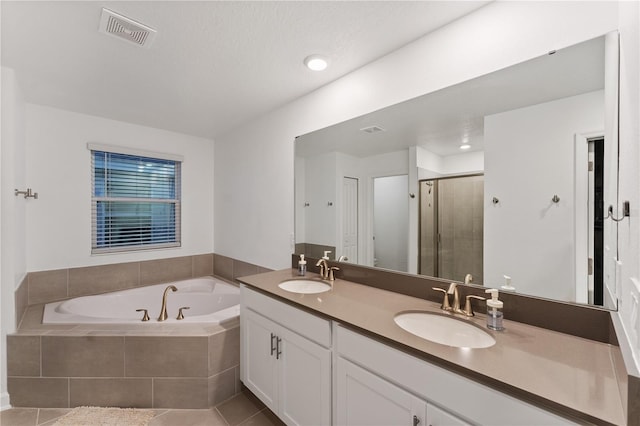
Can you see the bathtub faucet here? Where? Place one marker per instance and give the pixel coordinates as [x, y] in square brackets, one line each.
[163, 312]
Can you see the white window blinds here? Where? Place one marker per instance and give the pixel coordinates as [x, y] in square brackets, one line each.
[135, 202]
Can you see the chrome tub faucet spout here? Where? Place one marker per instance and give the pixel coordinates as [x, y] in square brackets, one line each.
[163, 311]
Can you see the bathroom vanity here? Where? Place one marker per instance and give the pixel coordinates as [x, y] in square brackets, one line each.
[338, 357]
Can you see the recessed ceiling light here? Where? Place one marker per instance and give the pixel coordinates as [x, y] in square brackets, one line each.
[316, 62]
[465, 146]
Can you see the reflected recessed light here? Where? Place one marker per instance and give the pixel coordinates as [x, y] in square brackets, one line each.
[465, 146]
[316, 62]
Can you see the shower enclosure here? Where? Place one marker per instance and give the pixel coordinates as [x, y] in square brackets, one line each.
[451, 227]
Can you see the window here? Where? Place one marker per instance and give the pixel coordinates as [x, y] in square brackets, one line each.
[135, 202]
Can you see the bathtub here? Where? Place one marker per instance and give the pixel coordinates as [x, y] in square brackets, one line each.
[209, 301]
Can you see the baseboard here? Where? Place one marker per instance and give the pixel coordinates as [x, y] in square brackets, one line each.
[4, 401]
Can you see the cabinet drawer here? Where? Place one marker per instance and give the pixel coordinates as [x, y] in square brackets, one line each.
[310, 326]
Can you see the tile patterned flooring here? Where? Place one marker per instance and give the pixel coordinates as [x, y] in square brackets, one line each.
[244, 409]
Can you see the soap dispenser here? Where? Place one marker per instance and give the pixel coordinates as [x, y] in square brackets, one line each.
[494, 311]
[507, 284]
[302, 266]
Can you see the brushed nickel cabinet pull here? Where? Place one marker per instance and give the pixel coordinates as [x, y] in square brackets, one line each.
[273, 348]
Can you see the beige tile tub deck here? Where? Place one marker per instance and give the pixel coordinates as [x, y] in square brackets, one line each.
[138, 365]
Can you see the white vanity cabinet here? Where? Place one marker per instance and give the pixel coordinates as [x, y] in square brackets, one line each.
[286, 359]
[380, 385]
[313, 371]
[364, 398]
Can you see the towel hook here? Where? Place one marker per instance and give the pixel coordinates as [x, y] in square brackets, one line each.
[555, 199]
[27, 194]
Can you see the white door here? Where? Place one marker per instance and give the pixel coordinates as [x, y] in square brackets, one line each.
[305, 381]
[366, 399]
[349, 219]
[259, 358]
[391, 222]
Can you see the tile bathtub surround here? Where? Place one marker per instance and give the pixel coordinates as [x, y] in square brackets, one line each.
[231, 269]
[60, 284]
[102, 279]
[149, 365]
[21, 299]
[47, 286]
[166, 270]
[65, 365]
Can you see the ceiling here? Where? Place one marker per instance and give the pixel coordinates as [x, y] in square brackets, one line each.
[213, 65]
[439, 122]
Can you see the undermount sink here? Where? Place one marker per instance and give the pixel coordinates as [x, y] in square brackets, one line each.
[444, 330]
[304, 286]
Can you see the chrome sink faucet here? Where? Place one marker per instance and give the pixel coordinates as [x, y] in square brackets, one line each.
[163, 311]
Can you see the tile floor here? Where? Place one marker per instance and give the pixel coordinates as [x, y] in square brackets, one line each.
[243, 409]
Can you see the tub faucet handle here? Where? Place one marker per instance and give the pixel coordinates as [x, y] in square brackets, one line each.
[145, 317]
[180, 314]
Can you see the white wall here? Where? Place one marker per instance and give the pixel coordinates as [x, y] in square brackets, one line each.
[629, 229]
[58, 168]
[256, 160]
[322, 176]
[529, 158]
[320, 191]
[391, 222]
[12, 212]
[254, 164]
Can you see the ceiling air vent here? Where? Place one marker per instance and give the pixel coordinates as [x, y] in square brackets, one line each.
[126, 29]
[372, 129]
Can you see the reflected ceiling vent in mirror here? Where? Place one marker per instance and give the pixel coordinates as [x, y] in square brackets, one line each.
[126, 29]
[373, 129]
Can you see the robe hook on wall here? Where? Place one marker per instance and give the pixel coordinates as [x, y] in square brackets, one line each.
[27, 194]
[555, 199]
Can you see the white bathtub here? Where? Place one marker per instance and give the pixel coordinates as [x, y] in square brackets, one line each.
[209, 301]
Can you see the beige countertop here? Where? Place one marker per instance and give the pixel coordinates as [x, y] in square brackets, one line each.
[563, 373]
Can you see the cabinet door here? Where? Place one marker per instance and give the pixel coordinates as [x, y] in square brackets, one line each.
[438, 417]
[366, 399]
[259, 357]
[305, 380]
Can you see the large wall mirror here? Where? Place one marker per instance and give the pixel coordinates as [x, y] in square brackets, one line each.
[505, 179]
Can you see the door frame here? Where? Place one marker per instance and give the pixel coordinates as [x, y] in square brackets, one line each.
[581, 212]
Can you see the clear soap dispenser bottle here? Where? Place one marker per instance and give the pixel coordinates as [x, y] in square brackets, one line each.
[494, 311]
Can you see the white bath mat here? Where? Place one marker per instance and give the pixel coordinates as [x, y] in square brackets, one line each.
[98, 416]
